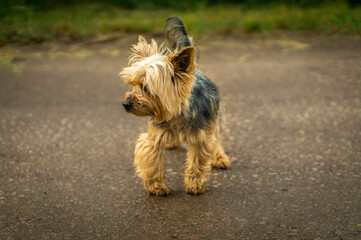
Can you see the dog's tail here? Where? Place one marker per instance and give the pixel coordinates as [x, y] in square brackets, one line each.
[177, 34]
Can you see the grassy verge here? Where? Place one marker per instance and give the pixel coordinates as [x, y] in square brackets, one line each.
[23, 25]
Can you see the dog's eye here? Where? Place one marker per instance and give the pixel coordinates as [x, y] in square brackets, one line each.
[145, 89]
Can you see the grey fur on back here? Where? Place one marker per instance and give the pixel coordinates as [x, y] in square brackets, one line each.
[204, 100]
[203, 103]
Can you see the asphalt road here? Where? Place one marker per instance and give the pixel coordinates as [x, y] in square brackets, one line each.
[292, 130]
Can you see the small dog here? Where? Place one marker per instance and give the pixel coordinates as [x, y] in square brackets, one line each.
[183, 106]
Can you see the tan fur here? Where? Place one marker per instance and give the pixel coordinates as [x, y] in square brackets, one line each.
[162, 82]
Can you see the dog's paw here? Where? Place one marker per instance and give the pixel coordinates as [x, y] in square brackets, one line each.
[222, 161]
[195, 186]
[161, 191]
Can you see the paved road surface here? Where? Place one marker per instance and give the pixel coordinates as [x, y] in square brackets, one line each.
[292, 130]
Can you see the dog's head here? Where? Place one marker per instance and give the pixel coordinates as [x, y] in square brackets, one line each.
[161, 80]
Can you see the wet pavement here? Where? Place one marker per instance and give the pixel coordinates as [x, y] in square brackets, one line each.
[292, 130]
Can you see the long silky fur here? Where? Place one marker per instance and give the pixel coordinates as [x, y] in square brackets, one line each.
[183, 106]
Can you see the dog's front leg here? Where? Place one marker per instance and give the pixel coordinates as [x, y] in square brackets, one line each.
[198, 166]
[149, 163]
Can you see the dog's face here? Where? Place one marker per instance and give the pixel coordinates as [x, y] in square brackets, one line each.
[161, 81]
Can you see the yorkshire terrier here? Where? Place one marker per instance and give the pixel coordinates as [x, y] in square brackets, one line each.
[183, 106]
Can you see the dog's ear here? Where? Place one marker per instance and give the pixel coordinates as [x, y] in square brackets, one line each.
[183, 61]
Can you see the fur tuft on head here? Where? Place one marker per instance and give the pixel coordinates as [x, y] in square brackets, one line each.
[144, 49]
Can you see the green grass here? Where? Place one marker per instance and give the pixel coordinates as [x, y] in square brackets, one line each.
[24, 25]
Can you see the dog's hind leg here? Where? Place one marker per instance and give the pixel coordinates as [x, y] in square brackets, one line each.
[174, 141]
[221, 160]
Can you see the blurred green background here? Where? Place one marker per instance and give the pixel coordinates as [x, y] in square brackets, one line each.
[34, 21]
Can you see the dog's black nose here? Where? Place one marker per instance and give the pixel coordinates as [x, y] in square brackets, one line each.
[127, 105]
